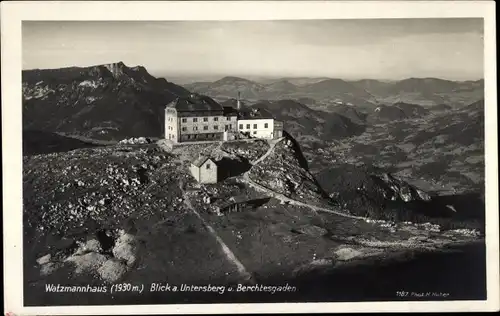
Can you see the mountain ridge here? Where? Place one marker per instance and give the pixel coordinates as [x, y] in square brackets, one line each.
[366, 93]
[109, 101]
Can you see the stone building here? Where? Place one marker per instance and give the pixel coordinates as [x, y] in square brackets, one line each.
[204, 169]
[198, 118]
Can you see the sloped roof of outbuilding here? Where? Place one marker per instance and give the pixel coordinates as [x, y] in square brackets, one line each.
[198, 162]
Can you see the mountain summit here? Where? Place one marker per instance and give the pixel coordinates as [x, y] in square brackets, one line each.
[109, 101]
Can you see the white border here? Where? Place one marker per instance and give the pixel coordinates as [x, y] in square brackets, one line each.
[12, 13]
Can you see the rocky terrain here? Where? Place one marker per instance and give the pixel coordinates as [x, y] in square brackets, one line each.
[103, 213]
[346, 189]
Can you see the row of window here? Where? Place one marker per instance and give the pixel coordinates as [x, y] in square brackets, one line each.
[266, 125]
[205, 128]
[208, 136]
[201, 137]
[205, 119]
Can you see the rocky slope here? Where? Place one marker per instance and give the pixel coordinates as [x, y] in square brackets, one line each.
[80, 205]
[285, 171]
[374, 193]
[110, 101]
[364, 191]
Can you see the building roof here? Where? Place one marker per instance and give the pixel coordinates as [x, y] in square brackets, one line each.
[198, 162]
[230, 111]
[239, 199]
[254, 114]
[195, 103]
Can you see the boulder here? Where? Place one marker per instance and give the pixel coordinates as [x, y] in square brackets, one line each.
[313, 231]
[49, 268]
[91, 245]
[126, 248]
[112, 270]
[88, 262]
[44, 259]
[347, 253]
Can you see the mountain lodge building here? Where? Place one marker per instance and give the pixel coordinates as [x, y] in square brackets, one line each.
[200, 118]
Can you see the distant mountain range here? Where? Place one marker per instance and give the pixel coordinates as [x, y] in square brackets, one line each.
[362, 93]
[104, 102]
[113, 101]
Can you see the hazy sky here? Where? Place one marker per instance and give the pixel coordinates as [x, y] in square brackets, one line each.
[380, 49]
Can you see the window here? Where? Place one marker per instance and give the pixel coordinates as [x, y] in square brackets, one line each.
[189, 136]
[248, 126]
[228, 118]
[255, 126]
[266, 125]
[241, 126]
[184, 129]
[195, 119]
[255, 132]
[205, 128]
[195, 128]
[184, 120]
[230, 126]
[208, 166]
[216, 127]
[205, 119]
[216, 119]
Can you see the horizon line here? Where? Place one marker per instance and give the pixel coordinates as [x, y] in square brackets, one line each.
[243, 76]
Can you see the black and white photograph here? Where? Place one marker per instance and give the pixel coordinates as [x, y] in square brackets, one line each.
[247, 161]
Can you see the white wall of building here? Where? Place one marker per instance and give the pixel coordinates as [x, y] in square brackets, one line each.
[260, 128]
[206, 173]
[171, 125]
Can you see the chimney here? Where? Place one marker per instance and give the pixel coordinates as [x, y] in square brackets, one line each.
[238, 102]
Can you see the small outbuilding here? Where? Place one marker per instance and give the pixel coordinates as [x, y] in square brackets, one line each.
[204, 169]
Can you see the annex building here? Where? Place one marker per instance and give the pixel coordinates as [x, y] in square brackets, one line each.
[200, 118]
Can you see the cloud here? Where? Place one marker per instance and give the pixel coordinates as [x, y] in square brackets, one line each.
[348, 48]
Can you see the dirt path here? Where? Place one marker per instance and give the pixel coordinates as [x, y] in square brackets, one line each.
[247, 276]
[282, 197]
[272, 144]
